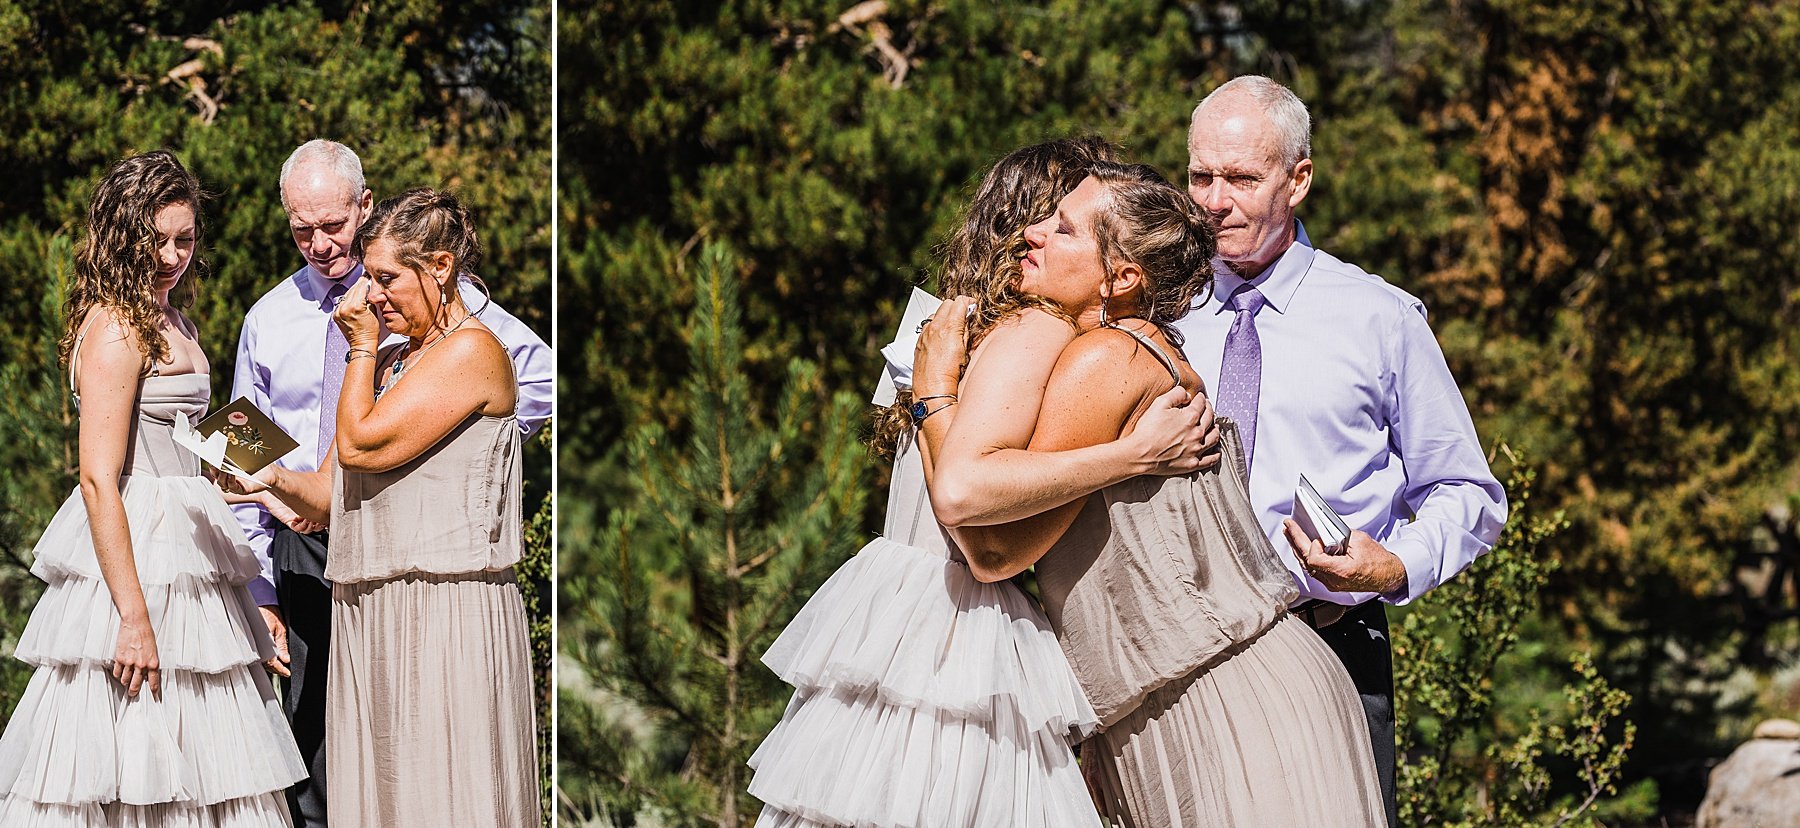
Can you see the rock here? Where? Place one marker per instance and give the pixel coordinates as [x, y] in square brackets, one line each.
[1778, 729]
[1759, 784]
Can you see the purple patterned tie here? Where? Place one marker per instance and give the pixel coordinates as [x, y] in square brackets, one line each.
[335, 348]
[1240, 373]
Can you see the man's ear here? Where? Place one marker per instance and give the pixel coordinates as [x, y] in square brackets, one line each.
[1302, 182]
[367, 201]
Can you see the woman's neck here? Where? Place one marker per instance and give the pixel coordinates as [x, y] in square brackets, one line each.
[455, 314]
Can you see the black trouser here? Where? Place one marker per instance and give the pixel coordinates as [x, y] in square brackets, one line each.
[1360, 640]
[305, 600]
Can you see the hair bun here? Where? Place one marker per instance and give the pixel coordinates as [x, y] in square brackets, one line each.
[424, 220]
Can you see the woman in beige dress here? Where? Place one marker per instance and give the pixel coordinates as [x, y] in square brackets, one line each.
[429, 709]
[1216, 706]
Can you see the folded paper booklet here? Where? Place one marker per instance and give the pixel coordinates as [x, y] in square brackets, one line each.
[897, 372]
[1318, 520]
[238, 438]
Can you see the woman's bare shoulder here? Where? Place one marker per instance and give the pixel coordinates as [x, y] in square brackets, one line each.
[474, 349]
[1110, 355]
[107, 336]
[1031, 326]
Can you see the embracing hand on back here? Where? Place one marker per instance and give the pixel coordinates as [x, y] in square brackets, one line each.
[1177, 435]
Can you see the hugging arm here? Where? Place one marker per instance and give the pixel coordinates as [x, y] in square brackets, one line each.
[1085, 406]
[979, 470]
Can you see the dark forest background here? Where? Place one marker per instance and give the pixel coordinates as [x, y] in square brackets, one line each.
[428, 93]
[1595, 198]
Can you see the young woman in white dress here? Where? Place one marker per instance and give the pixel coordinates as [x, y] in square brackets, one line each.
[149, 705]
[923, 697]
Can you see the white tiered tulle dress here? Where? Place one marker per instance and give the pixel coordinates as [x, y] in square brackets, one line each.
[212, 749]
[922, 697]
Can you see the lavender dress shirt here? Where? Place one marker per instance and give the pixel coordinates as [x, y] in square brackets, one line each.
[281, 364]
[1357, 397]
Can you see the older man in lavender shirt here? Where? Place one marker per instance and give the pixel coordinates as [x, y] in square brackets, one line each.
[1334, 374]
[290, 364]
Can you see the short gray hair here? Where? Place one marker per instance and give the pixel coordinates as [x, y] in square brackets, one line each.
[342, 160]
[1284, 109]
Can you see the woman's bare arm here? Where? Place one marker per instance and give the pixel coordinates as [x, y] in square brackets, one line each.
[468, 372]
[992, 479]
[1099, 383]
[109, 367]
[308, 494]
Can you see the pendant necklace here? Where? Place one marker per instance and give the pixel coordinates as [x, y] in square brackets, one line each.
[400, 364]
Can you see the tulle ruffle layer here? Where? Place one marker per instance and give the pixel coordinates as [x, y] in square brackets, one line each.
[252, 812]
[922, 698]
[845, 758]
[182, 532]
[200, 627]
[76, 739]
[212, 747]
[921, 632]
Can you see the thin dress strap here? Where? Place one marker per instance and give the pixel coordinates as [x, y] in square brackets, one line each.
[510, 367]
[1157, 351]
[75, 352]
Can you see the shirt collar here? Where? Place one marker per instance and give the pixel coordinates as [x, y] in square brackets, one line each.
[321, 286]
[1277, 284]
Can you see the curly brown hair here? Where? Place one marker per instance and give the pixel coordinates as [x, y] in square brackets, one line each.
[1154, 224]
[982, 258]
[116, 261]
[421, 222]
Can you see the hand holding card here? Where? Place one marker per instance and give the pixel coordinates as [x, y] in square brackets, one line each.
[239, 439]
[1317, 519]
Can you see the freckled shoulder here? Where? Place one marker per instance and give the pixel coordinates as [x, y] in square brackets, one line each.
[1110, 355]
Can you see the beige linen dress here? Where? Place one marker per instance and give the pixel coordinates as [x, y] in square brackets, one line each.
[430, 720]
[1217, 707]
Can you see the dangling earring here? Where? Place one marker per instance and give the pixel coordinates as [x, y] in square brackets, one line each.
[444, 292]
[1105, 300]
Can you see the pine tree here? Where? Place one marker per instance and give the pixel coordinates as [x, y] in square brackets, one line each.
[1592, 197]
[737, 515]
[38, 416]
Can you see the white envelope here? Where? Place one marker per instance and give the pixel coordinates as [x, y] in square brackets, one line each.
[1318, 520]
[897, 373]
